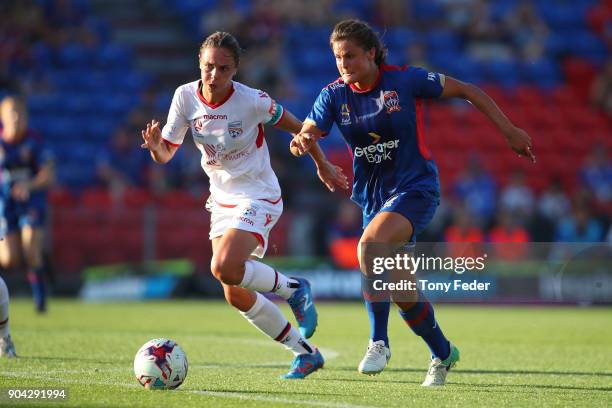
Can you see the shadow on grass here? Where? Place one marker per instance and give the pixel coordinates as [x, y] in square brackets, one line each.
[480, 371]
[287, 394]
[524, 387]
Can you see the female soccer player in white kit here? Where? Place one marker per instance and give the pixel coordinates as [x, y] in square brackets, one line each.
[226, 120]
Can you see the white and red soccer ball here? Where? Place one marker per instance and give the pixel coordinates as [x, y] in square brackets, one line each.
[160, 364]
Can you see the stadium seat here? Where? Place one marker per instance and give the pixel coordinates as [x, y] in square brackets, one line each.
[96, 198]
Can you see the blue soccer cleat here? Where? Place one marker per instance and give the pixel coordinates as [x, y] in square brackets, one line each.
[303, 308]
[303, 365]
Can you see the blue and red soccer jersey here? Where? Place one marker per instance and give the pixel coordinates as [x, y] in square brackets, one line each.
[21, 161]
[384, 129]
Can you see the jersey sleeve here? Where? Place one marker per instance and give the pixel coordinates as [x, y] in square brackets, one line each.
[322, 112]
[425, 84]
[268, 111]
[177, 124]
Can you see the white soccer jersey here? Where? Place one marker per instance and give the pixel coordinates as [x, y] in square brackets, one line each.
[230, 136]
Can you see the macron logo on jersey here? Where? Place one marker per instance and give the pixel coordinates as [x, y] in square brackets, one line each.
[198, 124]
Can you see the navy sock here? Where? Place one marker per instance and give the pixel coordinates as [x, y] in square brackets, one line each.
[39, 288]
[420, 317]
[379, 320]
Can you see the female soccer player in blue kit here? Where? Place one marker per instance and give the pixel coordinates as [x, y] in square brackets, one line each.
[27, 171]
[378, 109]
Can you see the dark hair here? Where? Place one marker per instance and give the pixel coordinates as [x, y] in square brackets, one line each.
[221, 39]
[360, 32]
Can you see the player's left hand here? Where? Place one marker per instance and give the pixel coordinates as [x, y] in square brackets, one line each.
[332, 176]
[303, 142]
[20, 192]
[520, 142]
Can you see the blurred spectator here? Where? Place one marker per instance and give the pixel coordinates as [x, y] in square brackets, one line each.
[596, 174]
[517, 197]
[343, 235]
[509, 231]
[415, 55]
[475, 189]
[600, 20]
[580, 226]
[124, 163]
[314, 13]
[601, 89]
[487, 40]
[22, 25]
[508, 228]
[463, 228]
[390, 13]
[463, 237]
[225, 17]
[267, 68]
[553, 202]
[67, 23]
[262, 25]
[527, 30]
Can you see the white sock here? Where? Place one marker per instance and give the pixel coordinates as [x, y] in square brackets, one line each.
[260, 277]
[4, 309]
[267, 317]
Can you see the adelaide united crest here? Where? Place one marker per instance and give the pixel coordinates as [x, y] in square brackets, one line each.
[235, 128]
[391, 101]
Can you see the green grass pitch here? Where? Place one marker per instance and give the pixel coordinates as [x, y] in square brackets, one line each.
[511, 356]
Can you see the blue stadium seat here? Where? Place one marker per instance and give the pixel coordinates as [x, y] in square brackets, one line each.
[75, 55]
[110, 55]
[442, 40]
[427, 10]
[504, 73]
[563, 16]
[79, 103]
[397, 39]
[41, 103]
[544, 73]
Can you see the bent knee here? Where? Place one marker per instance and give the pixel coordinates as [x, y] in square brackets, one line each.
[226, 270]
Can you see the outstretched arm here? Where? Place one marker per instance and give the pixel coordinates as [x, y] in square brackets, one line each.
[161, 151]
[516, 137]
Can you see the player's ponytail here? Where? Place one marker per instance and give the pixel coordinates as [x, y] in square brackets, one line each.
[360, 32]
[225, 40]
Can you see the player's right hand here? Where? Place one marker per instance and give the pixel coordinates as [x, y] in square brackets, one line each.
[332, 175]
[303, 142]
[151, 136]
[520, 142]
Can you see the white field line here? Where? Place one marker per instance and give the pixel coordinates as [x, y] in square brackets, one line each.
[232, 395]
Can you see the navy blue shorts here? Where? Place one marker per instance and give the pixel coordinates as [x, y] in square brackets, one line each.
[418, 207]
[15, 216]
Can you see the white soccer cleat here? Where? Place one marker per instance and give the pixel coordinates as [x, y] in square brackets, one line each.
[7, 348]
[438, 369]
[376, 358]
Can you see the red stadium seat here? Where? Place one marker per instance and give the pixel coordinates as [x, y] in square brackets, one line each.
[96, 198]
[61, 197]
[136, 197]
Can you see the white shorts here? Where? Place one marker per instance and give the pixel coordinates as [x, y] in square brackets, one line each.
[253, 215]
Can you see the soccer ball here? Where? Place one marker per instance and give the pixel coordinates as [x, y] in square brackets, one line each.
[160, 364]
